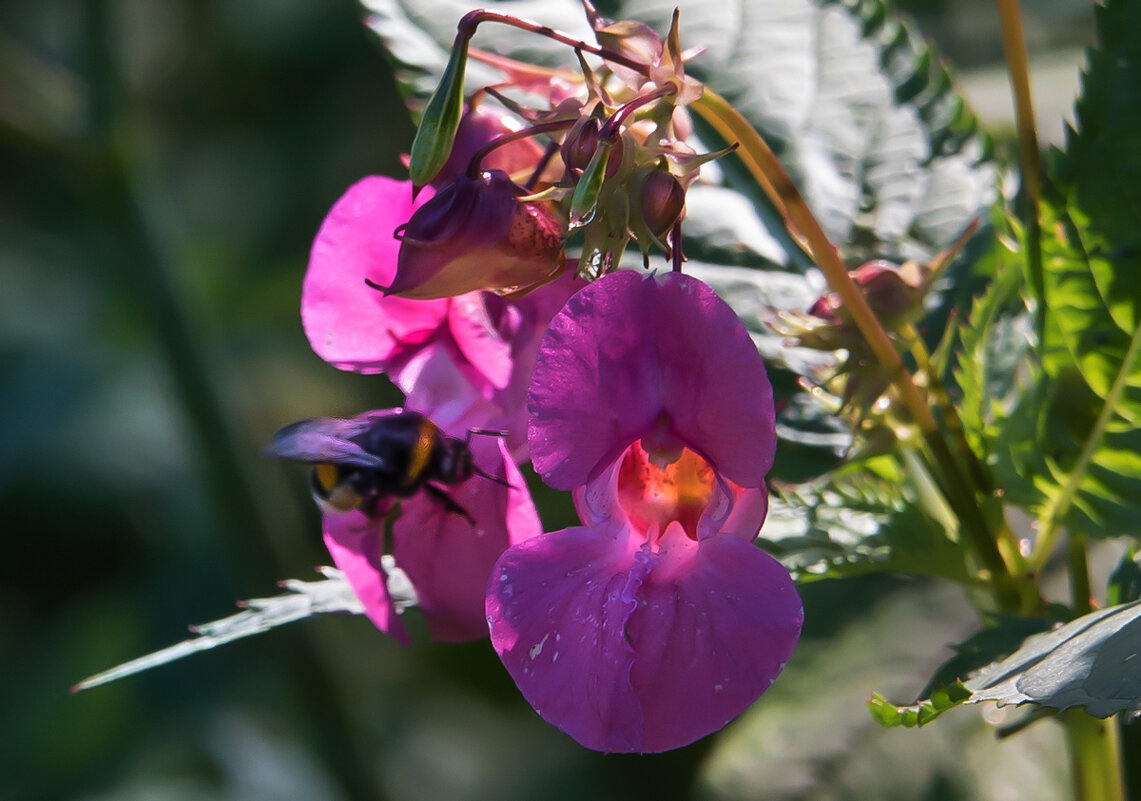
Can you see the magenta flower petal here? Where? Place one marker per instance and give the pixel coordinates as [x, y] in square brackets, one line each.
[448, 559]
[354, 542]
[558, 606]
[716, 623]
[638, 651]
[629, 352]
[440, 384]
[484, 342]
[349, 324]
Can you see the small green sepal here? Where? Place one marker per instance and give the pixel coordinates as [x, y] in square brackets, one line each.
[589, 186]
[440, 119]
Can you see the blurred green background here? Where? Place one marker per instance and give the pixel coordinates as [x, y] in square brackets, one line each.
[164, 167]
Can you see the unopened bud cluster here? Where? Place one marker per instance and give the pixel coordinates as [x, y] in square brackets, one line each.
[896, 295]
[597, 161]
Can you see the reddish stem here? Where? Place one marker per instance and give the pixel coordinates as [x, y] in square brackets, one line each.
[473, 167]
[467, 26]
[618, 118]
[548, 154]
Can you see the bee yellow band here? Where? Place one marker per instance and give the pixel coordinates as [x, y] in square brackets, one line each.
[326, 476]
[421, 451]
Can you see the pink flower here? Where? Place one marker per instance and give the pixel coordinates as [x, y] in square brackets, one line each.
[658, 620]
[463, 361]
[447, 557]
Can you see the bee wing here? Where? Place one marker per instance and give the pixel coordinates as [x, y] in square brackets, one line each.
[324, 439]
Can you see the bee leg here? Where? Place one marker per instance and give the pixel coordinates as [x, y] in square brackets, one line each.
[486, 432]
[446, 501]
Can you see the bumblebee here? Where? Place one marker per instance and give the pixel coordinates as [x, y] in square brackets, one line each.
[360, 462]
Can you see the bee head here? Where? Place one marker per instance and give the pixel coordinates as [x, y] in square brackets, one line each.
[455, 463]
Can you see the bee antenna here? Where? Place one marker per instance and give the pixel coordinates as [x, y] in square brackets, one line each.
[501, 481]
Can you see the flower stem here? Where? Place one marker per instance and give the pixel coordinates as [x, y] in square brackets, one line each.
[476, 163]
[1095, 756]
[472, 20]
[1014, 47]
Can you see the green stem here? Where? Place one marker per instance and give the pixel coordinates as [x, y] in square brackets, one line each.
[1080, 591]
[1095, 756]
[1014, 47]
[947, 409]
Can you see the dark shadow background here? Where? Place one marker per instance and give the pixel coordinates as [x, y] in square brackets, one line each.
[163, 168]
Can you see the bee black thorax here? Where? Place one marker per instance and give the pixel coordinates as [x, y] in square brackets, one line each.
[370, 462]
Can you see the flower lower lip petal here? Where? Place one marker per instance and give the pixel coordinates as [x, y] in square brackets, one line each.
[557, 607]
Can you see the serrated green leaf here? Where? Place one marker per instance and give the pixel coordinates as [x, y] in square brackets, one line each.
[1064, 439]
[1091, 253]
[862, 518]
[996, 342]
[1076, 435]
[304, 599]
[918, 714]
[1100, 170]
[1092, 662]
[995, 642]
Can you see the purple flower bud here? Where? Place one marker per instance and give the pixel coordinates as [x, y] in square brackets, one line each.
[888, 292]
[660, 198]
[476, 234]
[581, 143]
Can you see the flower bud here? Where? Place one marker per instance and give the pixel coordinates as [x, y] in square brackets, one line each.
[581, 143]
[888, 293]
[477, 234]
[589, 188]
[660, 198]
